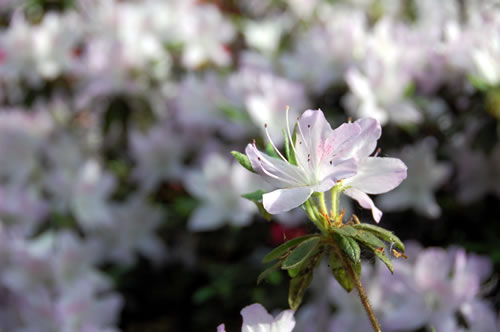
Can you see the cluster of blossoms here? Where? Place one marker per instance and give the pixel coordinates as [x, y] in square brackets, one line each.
[105, 103]
[434, 288]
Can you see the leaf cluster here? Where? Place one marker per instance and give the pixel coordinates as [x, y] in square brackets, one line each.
[343, 245]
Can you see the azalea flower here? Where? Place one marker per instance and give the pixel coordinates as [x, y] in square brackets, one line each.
[375, 175]
[257, 319]
[426, 176]
[319, 152]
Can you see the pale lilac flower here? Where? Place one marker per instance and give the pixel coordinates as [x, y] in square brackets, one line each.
[257, 319]
[265, 35]
[425, 175]
[219, 186]
[325, 50]
[205, 32]
[21, 137]
[133, 232]
[158, 154]
[321, 162]
[478, 173]
[375, 175]
[266, 96]
[378, 86]
[90, 195]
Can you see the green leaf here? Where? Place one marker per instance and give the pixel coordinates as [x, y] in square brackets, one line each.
[243, 160]
[298, 287]
[255, 196]
[264, 274]
[369, 240]
[301, 254]
[382, 233]
[385, 260]
[290, 154]
[341, 274]
[348, 231]
[270, 151]
[350, 247]
[282, 249]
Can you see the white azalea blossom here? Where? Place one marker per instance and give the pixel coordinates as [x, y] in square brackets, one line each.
[319, 152]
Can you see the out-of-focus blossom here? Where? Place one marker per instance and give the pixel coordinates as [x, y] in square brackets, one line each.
[265, 35]
[21, 135]
[133, 231]
[324, 51]
[257, 319]
[37, 52]
[158, 154]
[50, 282]
[266, 96]
[321, 162]
[205, 33]
[378, 87]
[374, 175]
[431, 289]
[425, 176]
[219, 186]
[478, 173]
[90, 195]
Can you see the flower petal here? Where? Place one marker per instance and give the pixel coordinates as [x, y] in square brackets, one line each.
[255, 318]
[275, 171]
[206, 218]
[365, 201]
[366, 142]
[378, 175]
[285, 322]
[283, 200]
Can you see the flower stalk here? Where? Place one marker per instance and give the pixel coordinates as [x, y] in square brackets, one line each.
[359, 286]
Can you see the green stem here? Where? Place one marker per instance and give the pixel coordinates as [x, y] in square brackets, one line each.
[335, 202]
[361, 291]
[322, 203]
[312, 216]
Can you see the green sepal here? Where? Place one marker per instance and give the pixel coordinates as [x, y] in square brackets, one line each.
[290, 153]
[350, 247]
[263, 212]
[255, 196]
[243, 160]
[297, 289]
[382, 233]
[270, 151]
[385, 260]
[285, 247]
[301, 254]
[264, 274]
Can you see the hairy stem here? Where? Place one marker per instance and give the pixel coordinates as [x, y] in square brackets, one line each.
[361, 291]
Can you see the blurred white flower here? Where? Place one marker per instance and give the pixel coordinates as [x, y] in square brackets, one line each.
[266, 97]
[90, 196]
[257, 319]
[219, 186]
[158, 154]
[425, 176]
[205, 33]
[378, 87]
[135, 222]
